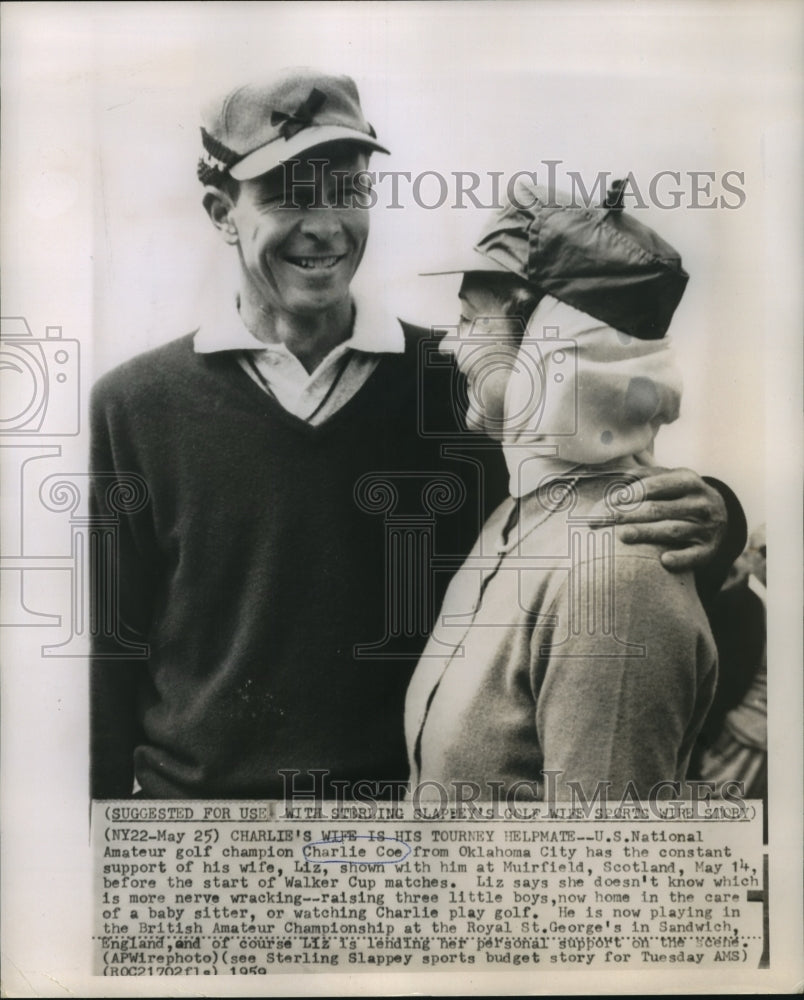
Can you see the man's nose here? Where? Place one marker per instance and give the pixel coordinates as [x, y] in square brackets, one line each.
[322, 222]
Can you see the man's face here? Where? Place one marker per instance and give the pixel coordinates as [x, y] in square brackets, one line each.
[301, 230]
[485, 350]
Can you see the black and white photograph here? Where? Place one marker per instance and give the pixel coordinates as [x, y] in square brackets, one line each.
[398, 401]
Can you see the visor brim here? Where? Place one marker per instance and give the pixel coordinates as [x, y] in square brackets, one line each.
[472, 260]
[279, 151]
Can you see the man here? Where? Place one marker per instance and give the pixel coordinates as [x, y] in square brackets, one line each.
[733, 745]
[280, 448]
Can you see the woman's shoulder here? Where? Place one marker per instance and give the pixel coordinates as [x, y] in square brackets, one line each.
[640, 591]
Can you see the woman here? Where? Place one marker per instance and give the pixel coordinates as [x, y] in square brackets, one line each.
[562, 658]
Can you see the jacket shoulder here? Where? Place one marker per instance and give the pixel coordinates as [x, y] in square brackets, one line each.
[413, 331]
[146, 371]
[415, 334]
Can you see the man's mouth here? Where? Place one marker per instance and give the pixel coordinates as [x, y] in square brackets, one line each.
[316, 263]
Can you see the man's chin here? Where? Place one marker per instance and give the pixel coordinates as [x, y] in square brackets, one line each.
[311, 302]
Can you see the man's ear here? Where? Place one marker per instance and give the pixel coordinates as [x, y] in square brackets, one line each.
[218, 206]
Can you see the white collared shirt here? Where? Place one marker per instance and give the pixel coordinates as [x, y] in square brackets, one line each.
[313, 396]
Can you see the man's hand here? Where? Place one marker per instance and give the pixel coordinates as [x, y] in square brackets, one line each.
[680, 512]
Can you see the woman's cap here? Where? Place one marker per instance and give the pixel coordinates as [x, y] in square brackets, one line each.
[597, 259]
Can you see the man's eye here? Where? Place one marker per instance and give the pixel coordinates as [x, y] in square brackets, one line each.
[348, 195]
[296, 197]
[268, 198]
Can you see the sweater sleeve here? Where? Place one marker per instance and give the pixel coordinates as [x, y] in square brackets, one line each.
[710, 577]
[624, 718]
[120, 586]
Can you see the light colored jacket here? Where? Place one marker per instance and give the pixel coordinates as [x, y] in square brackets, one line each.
[559, 649]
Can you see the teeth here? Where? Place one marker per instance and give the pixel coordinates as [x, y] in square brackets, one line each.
[314, 263]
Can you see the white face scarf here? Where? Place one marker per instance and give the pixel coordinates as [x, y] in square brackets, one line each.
[583, 394]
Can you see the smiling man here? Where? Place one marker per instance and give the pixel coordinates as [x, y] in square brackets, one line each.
[241, 620]
[300, 235]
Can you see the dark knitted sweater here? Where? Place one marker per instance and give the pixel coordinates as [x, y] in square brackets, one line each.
[257, 566]
[262, 563]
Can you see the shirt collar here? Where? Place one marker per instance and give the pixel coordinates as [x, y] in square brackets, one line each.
[376, 329]
[758, 588]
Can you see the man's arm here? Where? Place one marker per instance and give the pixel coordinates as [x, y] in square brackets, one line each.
[120, 589]
[699, 522]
